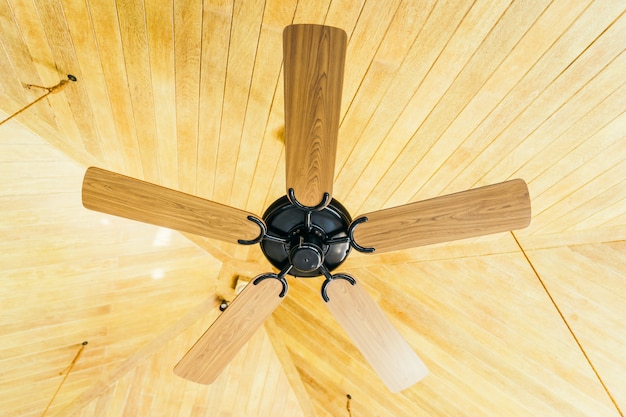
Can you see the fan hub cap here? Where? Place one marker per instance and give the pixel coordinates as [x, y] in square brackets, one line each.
[306, 258]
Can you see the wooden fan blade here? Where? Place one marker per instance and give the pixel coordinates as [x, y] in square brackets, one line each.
[374, 335]
[123, 196]
[481, 211]
[204, 362]
[314, 64]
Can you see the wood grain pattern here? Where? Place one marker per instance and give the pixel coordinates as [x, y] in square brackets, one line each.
[481, 211]
[206, 360]
[438, 96]
[314, 64]
[371, 331]
[123, 196]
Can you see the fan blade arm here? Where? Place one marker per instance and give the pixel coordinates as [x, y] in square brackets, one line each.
[481, 211]
[218, 346]
[382, 345]
[111, 193]
[314, 60]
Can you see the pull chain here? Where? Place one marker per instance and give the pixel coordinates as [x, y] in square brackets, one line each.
[67, 373]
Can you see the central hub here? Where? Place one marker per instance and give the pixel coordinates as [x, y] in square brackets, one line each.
[306, 258]
[306, 251]
[307, 240]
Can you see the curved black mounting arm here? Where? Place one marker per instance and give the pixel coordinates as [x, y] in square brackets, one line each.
[355, 245]
[330, 278]
[292, 197]
[280, 276]
[263, 235]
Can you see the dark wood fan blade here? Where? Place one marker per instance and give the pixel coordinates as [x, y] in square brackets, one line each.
[314, 64]
[233, 328]
[119, 195]
[374, 335]
[481, 211]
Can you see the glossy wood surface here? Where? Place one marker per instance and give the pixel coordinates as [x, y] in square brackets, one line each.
[119, 195]
[314, 66]
[212, 353]
[478, 212]
[438, 97]
[376, 338]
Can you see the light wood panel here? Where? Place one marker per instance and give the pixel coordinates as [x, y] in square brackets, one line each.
[584, 288]
[481, 211]
[150, 388]
[314, 58]
[377, 339]
[111, 193]
[222, 341]
[439, 97]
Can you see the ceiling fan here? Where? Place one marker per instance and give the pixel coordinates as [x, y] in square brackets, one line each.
[307, 233]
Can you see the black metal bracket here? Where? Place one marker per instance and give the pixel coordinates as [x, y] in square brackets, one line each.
[337, 240]
[355, 245]
[330, 278]
[262, 236]
[280, 276]
[292, 197]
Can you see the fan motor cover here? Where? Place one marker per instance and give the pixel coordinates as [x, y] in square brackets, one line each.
[307, 243]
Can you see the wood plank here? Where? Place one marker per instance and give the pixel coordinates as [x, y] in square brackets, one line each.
[407, 24]
[575, 112]
[216, 24]
[443, 108]
[244, 35]
[134, 42]
[74, 151]
[587, 30]
[73, 99]
[159, 27]
[289, 368]
[602, 169]
[457, 146]
[187, 56]
[371, 26]
[104, 20]
[583, 304]
[605, 217]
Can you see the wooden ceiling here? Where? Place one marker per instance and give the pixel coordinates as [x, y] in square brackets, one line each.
[438, 97]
